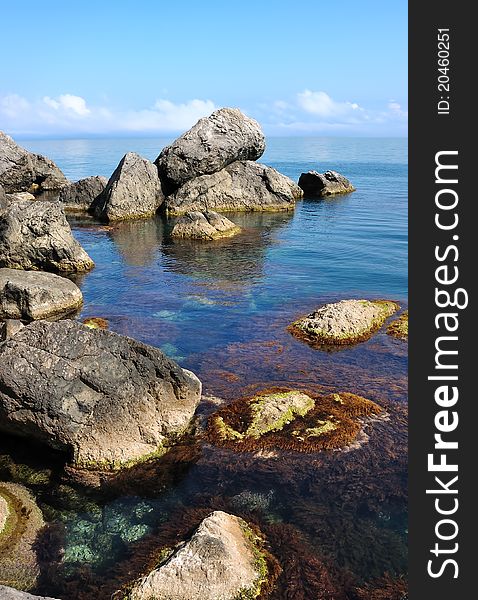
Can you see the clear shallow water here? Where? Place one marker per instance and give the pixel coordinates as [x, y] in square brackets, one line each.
[221, 309]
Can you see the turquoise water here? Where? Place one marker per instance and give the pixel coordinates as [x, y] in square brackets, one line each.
[222, 309]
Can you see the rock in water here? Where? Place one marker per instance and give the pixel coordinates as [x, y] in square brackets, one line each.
[30, 295]
[213, 143]
[8, 593]
[133, 191]
[36, 235]
[22, 521]
[399, 327]
[106, 399]
[241, 186]
[23, 171]
[204, 226]
[220, 561]
[79, 196]
[324, 184]
[344, 322]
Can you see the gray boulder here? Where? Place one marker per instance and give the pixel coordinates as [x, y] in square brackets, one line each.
[204, 226]
[105, 399]
[329, 183]
[31, 295]
[241, 186]
[23, 171]
[80, 195]
[213, 143]
[36, 236]
[219, 562]
[8, 593]
[133, 191]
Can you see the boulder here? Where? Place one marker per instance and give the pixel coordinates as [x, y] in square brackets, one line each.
[36, 235]
[219, 562]
[241, 186]
[106, 399]
[80, 195]
[344, 322]
[30, 295]
[133, 191]
[213, 143]
[324, 184]
[22, 522]
[23, 171]
[9, 327]
[204, 226]
[8, 593]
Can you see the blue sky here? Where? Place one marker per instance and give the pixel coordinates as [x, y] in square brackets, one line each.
[126, 67]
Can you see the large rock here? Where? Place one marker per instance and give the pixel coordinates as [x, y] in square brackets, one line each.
[213, 143]
[344, 322]
[329, 183]
[79, 196]
[241, 186]
[133, 191]
[22, 523]
[204, 226]
[23, 171]
[32, 295]
[36, 235]
[219, 562]
[8, 593]
[106, 399]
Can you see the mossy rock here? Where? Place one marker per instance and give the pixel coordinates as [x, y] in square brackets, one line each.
[398, 328]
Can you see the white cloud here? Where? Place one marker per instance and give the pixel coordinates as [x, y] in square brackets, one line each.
[13, 105]
[322, 105]
[68, 103]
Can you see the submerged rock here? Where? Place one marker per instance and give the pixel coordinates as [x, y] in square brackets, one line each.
[36, 235]
[204, 226]
[344, 322]
[221, 561]
[80, 195]
[23, 171]
[399, 327]
[30, 295]
[213, 143]
[241, 186]
[133, 191]
[22, 522]
[329, 183]
[8, 593]
[106, 399]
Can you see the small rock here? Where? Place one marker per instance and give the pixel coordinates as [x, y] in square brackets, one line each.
[221, 560]
[241, 186]
[204, 226]
[226, 136]
[399, 327]
[133, 191]
[9, 328]
[36, 235]
[20, 196]
[96, 323]
[79, 196]
[344, 322]
[8, 593]
[30, 295]
[329, 183]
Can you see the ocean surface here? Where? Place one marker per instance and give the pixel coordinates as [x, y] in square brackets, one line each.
[221, 309]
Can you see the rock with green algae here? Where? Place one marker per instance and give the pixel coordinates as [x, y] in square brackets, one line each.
[22, 522]
[222, 560]
[272, 411]
[399, 327]
[8, 593]
[344, 322]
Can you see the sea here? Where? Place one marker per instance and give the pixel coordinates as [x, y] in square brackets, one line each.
[221, 309]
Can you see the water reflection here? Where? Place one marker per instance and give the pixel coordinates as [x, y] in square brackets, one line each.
[139, 241]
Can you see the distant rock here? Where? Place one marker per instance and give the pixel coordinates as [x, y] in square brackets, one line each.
[36, 236]
[133, 191]
[23, 171]
[9, 327]
[30, 295]
[8, 593]
[241, 186]
[204, 226]
[344, 322]
[224, 137]
[22, 522]
[324, 184]
[79, 196]
[105, 399]
[221, 561]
